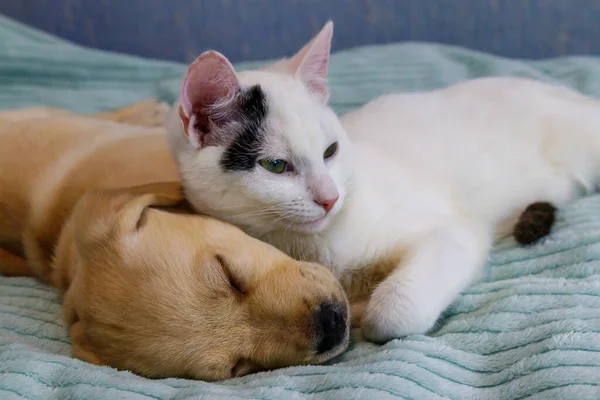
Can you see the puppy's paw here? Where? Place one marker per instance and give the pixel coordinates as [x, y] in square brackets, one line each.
[391, 315]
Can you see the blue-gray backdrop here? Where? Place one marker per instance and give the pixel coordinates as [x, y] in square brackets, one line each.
[257, 29]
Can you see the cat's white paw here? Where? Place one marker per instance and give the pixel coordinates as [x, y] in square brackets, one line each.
[392, 314]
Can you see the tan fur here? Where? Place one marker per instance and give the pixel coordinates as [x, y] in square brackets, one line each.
[359, 284]
[94, 207]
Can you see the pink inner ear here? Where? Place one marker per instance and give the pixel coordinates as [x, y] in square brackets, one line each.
[311, 62]
[209, 90]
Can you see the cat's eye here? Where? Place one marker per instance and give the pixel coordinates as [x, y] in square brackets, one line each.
[330, 151]
[276, 166]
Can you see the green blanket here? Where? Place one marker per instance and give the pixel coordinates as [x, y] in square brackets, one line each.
[530, 329]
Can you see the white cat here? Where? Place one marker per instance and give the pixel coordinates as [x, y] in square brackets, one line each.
[410, 190]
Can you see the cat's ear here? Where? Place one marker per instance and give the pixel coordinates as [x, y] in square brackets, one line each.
[311, 62]
[208, 94]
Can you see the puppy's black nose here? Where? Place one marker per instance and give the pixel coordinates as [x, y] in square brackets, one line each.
[330, 319]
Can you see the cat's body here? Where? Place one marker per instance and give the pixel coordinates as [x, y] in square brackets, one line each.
[462, 162]
[418, 187]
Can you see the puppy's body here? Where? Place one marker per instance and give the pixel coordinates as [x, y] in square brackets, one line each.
[146, 289]
[43, 173]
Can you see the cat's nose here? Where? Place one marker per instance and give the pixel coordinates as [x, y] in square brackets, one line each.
[327, 204]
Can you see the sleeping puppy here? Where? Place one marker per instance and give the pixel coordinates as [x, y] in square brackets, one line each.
[148, 286]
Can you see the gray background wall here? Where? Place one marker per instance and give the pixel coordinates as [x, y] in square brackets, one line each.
[257, 29]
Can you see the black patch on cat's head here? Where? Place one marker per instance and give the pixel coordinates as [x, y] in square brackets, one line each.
[242, 153]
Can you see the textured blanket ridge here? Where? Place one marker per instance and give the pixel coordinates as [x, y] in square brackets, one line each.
[530, 329]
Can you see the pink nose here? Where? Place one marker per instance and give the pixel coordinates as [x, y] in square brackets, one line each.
[328, 204]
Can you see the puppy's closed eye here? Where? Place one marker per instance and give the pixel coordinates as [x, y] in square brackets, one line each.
[235, 283]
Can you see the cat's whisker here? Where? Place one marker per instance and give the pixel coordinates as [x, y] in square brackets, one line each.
[276, 211]
[281, 218]
[255, 213]
[265, 209]
[288, 226]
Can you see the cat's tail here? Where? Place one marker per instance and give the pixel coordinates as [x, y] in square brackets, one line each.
[534, 223]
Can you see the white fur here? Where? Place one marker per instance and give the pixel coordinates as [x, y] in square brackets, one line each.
[286, 200]
[433, 174]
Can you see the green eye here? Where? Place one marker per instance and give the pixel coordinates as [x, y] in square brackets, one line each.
[330, 151]
[276, 166]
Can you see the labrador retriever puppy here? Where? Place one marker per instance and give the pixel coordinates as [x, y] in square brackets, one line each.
[92, 205]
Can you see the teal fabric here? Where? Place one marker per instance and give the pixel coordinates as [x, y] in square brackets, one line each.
[530, 329]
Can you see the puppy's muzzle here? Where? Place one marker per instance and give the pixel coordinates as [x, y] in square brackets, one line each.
[331, 320]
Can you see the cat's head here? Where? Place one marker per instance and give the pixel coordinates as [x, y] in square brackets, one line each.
[262, 149]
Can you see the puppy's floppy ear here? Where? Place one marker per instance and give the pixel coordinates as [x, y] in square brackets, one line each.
[101, 214]
[165, 193]
[138, 199]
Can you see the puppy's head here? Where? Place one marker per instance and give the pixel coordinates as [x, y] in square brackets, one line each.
[164, 293]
